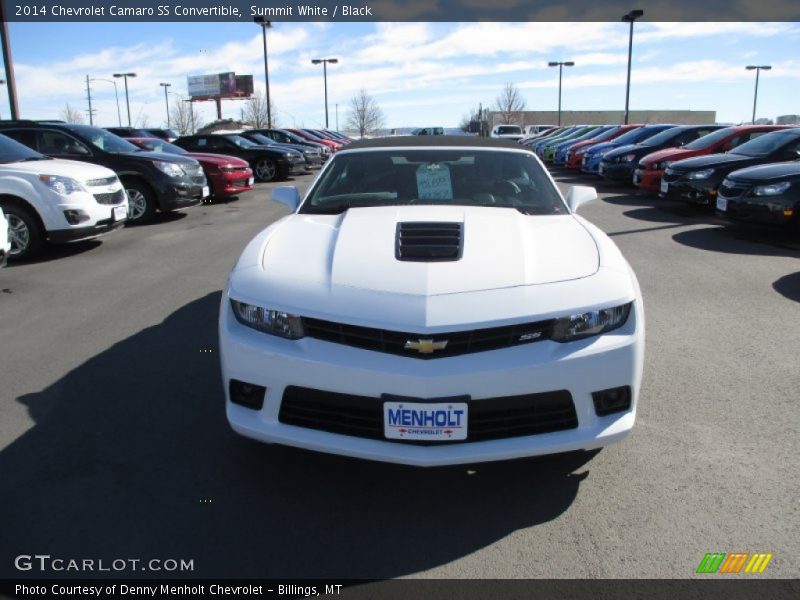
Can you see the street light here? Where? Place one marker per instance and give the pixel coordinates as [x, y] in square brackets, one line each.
[560, 65]
[116, 95]
[325, 62]
[264, 26]
[630, 18]
[757, 69]
[127, 101]
[166, 98]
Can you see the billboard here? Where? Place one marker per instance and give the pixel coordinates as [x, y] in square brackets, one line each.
[220, 84]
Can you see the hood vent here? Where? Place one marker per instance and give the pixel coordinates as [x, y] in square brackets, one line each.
[429, 242]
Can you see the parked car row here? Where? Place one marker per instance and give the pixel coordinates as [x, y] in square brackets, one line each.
[744, 172]
[62, 182]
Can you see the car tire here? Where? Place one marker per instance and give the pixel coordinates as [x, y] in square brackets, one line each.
[27, 235]
[141, 202]
[265, 170]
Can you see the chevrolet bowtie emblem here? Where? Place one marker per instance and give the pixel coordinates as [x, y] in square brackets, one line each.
[426, 346]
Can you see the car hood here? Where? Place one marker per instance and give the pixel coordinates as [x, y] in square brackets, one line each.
[502, 248]
[162, 156]
[602, 147]
[788, 171]
[671, 154]
[713, 160]
[622, 150]
[218, 159]
[68, 168]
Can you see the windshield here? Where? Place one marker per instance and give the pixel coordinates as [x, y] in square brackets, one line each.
[710, 139]
[240, 141]
[104, 140]
[261, 139]
[162, 146]
[13, 151]
[509, 130]
[665, 137]
[605, 134]
[293, 136]
[766, 144]
[464, 177]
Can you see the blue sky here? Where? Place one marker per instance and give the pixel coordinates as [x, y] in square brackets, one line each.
[420, 73]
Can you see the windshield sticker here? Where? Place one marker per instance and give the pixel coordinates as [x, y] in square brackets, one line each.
[433, 182]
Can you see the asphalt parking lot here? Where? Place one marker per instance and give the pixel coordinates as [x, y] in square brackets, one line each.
[114, 443]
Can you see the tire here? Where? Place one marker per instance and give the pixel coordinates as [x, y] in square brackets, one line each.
[265, 170]
[27, 236]
[141, 202]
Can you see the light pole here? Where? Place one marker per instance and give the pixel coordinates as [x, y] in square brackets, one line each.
[264, 26]
[2, 81]
[560, 65]
[757, 69]
[325, 62]
[630, 18]
[166, 98]
[116, 95]
[127, 101]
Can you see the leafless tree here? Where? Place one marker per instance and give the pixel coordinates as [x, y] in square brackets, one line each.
[510, 104]
[474, 114]
[255, 113]
[365, 114]
[143, 122]
[184, 118]
[71, 115]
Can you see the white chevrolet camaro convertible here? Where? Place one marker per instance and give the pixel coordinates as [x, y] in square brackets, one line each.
[431, 302]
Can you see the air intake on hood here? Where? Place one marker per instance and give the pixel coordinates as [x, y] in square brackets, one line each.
[429, 242]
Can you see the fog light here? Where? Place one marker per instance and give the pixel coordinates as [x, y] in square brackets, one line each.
[612, 400]
[75, 217]
[247, 394]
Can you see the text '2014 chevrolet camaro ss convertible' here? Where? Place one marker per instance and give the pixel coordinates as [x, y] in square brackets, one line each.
[432, 302]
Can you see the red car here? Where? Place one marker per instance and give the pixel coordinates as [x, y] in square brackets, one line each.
[316, 139]
[227, 175]
[577, 151]
[648, 173]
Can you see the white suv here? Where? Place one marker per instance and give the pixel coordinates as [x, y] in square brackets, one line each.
[507, 132]
[55, 200]
[5, 240]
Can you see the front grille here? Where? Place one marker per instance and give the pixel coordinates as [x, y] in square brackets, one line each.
[111, 198]
[102, 182]
[193, 170]
[733, 189]
[458, 342]
[429, 242]
[234, 169]
[489, 419]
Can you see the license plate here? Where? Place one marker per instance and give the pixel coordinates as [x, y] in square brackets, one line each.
[637, 177]
[722, 203]
[600, 169]
[251, 181]
[434, 422]
[206, 191]
[664, 187]
[118, 213]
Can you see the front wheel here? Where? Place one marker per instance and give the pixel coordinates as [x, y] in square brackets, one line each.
[141, 203]
[265, 170]
[27, 237]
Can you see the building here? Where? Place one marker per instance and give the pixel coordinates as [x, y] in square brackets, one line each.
[788, 120]
[603, 117]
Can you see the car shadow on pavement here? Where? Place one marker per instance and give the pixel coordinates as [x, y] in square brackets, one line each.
[131, 456]
[788, 286]
[59, 251]
[741, 239]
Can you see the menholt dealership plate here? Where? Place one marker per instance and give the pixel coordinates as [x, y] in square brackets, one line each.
[405, 419]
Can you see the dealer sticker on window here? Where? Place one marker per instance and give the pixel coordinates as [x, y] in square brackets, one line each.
[433, 182]
[434, 422]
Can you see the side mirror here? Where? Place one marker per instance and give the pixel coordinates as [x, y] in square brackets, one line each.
[580, 194]
[288, 195]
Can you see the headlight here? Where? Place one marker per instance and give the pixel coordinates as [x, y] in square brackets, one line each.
[773, 189]
[595, 322]
[662, 166]
[704, 174]
[168, 168]
[288, 155]
[628, 158]
[63, 186]
[274, 322]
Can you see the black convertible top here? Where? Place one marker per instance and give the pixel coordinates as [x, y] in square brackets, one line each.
[432, 141]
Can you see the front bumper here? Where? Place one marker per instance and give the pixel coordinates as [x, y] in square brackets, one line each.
[581, 367]
[698, 191]
[228, 183]
[182, 195]
[76, 234]
[647, 179]
[767, 210]
[617, 171]
[591, 164]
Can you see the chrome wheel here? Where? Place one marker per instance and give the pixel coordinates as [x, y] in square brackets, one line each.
[266, 170]
[137, 204]
[20, 235]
